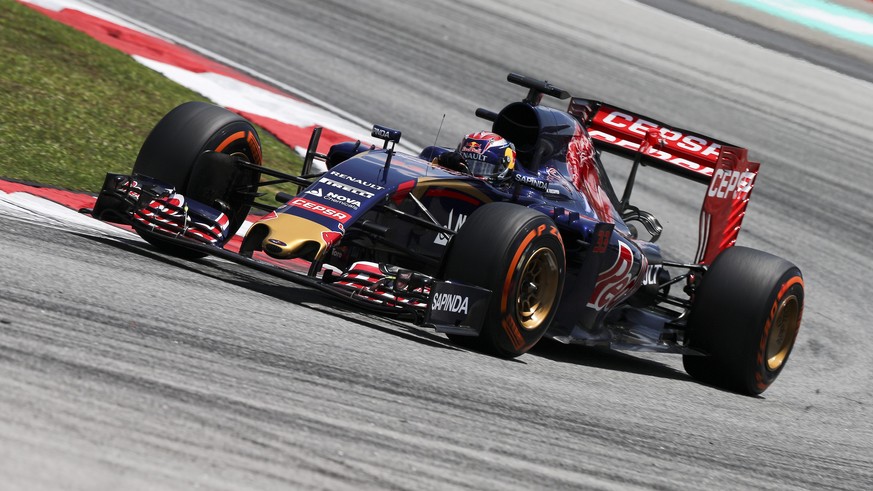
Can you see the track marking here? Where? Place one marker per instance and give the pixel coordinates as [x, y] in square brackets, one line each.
[44, 212]
[836, 20]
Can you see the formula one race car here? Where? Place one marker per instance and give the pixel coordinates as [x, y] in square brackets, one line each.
[541, 246]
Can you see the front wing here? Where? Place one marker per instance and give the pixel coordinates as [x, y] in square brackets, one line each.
[448, 307]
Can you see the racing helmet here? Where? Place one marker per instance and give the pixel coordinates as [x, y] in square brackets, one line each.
[487, 155]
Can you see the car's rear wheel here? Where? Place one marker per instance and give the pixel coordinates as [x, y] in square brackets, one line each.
[174, 153]
[745, 315]
[517, 253]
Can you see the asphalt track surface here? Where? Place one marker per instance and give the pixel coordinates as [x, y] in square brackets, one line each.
[122, 369]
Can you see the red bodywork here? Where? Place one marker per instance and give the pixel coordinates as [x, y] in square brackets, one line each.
[725, 168]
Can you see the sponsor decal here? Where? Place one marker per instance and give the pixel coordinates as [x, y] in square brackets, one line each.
[583, 173]
[555, 176]
[448, 302]
[652, 274]
[474, 156]
[346, 187]
[476, 146]
[255, 147]
[443, 238]
[277, 242]
[337, 198]
[532, 182]
[320, 209]
[381, 132]
[385, 133]
[730, 184]
[343, 200]
[689, 143]
[454, 307]
[613, 283]
[725, 203]
[658, 154]
[700, 152]
[330, 238]
[601, 241]
[357, 181]
[473, 146]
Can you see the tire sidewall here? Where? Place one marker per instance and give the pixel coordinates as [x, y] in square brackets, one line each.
[762, 376]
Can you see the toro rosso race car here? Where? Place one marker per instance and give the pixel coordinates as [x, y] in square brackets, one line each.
[541, 247]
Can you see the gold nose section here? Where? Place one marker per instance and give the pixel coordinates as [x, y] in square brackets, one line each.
[287, 236]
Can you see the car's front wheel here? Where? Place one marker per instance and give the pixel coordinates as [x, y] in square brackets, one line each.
[517, 253]
[174, 154]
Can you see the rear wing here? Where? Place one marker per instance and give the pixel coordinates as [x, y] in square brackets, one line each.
[675, 150]
[725, 168]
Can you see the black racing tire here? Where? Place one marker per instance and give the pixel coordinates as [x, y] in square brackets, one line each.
[171, 153]
[518, 254]
[745, 315]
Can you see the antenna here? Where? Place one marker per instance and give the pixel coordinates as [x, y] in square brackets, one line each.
[435, 140]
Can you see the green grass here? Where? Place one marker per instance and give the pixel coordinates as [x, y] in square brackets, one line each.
[73, 109]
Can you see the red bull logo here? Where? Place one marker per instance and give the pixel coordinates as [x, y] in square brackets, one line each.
[330, 238]
[473, 146]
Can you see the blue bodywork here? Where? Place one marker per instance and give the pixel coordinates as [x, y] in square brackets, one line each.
[361, 184]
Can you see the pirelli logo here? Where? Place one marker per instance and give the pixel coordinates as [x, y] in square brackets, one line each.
[347, 188]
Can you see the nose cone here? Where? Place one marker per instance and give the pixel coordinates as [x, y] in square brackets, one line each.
[287, 236]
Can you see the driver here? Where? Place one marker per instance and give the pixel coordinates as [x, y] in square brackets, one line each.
[485, 155]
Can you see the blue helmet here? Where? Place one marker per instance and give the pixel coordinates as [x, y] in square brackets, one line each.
[487, 154]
